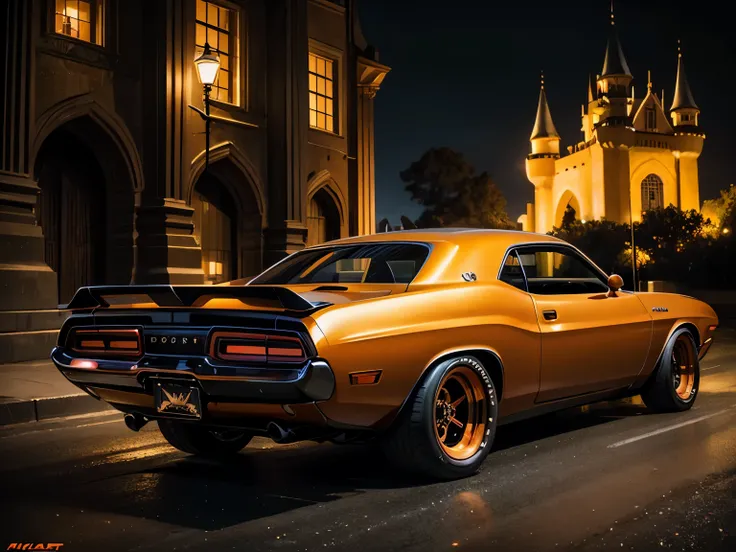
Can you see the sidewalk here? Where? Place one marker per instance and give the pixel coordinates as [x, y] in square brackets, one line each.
[35, 390]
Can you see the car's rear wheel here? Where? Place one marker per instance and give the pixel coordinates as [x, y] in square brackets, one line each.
[447, 430]
[202, 440]
[674, 385]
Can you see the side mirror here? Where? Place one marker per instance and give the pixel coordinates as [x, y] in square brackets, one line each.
[615, 283]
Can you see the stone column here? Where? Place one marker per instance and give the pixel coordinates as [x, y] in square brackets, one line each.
[166, 249]
[543, 207]
[287, 85]
[26, 281]
[370, 75]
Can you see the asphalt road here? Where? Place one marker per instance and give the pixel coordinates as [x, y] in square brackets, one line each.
[607, 477]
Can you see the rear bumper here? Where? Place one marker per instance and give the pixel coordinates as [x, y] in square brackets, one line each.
[226, 390]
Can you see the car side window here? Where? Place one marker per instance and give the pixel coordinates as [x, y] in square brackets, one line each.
[559, 270]
[512, 273]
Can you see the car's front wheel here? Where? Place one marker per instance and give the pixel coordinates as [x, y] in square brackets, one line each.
[673, 386]
[201, 440]
[447, 430]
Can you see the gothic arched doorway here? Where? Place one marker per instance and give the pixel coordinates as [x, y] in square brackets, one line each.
[215, 224]
[228, 222]
[652, 192]
[323, 218]
[71, 211]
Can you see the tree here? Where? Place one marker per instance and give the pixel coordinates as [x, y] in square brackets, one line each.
[722, 211]
[670, 237]
[671, 245]
[453, 194]
[568, 217]
[604, 241]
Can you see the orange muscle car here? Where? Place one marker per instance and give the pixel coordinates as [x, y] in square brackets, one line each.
[424, 339]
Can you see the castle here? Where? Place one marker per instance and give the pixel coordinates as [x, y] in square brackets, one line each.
[632, 158]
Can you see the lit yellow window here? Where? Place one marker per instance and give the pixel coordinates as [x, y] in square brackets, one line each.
[217, 25]
[321, 93]
[81, 19]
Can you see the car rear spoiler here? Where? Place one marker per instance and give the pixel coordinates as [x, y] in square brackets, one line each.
[165, 295]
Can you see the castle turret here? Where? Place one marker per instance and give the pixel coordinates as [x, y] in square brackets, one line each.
[614, 81]
[688, 139]
[540, 163]
[591, 110]
[544, 137]
[684, 110]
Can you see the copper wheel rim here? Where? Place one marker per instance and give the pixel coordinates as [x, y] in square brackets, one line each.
[683, 367]
[460, 413]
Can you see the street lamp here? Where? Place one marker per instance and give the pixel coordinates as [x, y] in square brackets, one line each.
[207, 64]
[633, 245]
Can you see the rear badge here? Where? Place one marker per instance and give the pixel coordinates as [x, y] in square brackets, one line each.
[660, 309]
[469, 276]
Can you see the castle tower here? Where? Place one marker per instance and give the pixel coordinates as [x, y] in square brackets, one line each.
[684, 111]
[685, 116]
[614, 82]
[540, 163]
[634, 156]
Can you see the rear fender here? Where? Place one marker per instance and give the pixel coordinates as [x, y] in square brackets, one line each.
[481, 352]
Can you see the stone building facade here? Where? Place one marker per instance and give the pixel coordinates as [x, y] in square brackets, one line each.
[635, 154]
[102, 172]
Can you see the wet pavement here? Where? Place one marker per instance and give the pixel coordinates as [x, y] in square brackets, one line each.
[606, 477]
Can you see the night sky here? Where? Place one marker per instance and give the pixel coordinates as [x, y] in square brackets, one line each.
[466, 75]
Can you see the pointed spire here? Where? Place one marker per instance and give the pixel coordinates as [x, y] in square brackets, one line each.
[543, 125]
[683, 96]
[591, 86]
[614, 63]
[649, 80]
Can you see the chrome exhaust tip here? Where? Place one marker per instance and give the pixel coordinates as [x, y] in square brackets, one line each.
[279, 434]
[135, 421]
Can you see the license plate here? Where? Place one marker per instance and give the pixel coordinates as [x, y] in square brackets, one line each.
[177, 400]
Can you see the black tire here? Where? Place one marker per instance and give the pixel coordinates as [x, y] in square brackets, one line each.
[414, 443]
[202, 440]
[660, 393]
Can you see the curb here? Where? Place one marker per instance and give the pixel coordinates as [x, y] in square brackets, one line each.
[18, 411]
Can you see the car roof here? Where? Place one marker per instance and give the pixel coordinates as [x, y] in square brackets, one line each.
[456, 250]
[504, 238]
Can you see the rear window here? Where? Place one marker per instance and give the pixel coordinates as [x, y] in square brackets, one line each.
[367, 263]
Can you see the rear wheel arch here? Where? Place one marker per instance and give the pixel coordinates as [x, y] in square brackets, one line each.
[420, 439]
[489, 358]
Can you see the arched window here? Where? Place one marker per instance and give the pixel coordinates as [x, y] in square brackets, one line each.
[652, 192]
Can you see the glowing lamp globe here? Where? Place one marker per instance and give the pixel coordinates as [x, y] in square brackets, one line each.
[208, 64]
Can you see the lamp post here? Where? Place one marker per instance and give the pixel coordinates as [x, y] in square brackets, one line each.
[207, 64]
[633, 245]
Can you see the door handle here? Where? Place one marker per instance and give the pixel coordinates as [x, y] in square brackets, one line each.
[550, 314]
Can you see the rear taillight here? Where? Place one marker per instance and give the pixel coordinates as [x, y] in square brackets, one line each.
[255, 347]
[106, 342]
